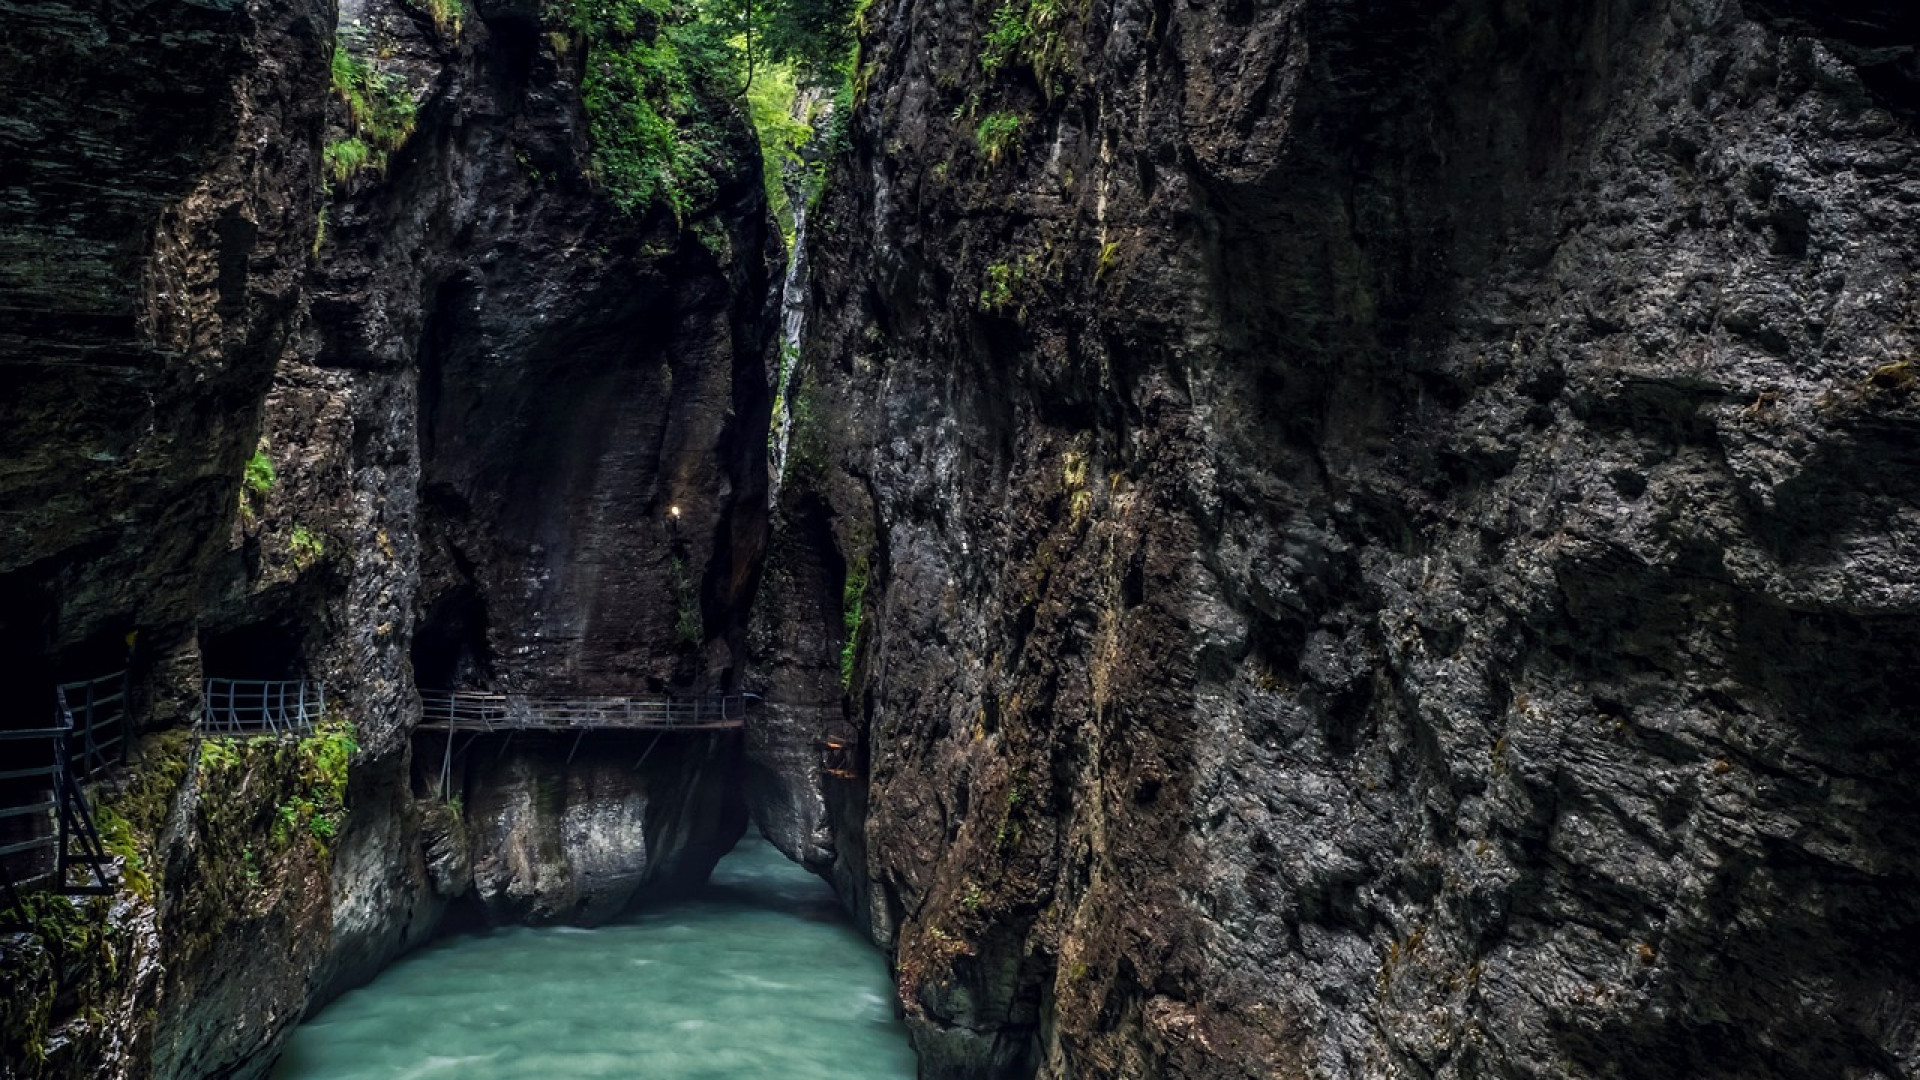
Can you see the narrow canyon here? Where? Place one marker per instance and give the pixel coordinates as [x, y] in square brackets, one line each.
[1336, 539]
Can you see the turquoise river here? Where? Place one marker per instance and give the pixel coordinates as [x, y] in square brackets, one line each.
[757, 978]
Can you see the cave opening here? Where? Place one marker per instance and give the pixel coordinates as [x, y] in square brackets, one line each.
[268, 650]
[450, 649]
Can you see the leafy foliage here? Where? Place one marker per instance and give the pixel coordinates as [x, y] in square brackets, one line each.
[658, 72]
[653, 70]
[1028, 32]
[380, 114]
[256, 479]
[319, 803]
[996, 135]
[773, 103]
[1007, 30]
[1002, 284]
[259, 476]
[344, 157]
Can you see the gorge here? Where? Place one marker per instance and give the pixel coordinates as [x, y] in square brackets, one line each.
[1270, 538]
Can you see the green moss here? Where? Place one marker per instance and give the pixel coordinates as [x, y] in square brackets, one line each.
[853, 596]
[259, 476]
[347, 156]
[318, 802]
[68, 957]
[806, 436]
[76, 959]
[997, 135]
[307, 546]
[688, 628]
[132, 813]
[118, 838]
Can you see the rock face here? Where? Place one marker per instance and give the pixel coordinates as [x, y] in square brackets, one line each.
[156, 207]
[555, 839]
[1392, 535]
[463, 391]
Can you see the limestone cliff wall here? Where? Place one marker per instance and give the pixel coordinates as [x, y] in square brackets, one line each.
[1391, 532]
[462, 388]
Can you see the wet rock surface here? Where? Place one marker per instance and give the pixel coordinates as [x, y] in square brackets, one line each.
[396, 357]
[156, 207]
[556, 835]
[1391, 537]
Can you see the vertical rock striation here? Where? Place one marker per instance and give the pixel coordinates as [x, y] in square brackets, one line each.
[463, 390]
[156, 207]
[1392, 535]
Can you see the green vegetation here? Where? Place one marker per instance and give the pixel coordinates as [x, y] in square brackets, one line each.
[996, 134]
[652, 68]
[688, 627]
[307, 546]
[318, 803]
[1007, 31]
[806, 437]
[784, 129]
[853, 597]
[259, 476]
[346, 156]
[380, 115]
[999, 290]
[118, 838]
[218, 755]
[658, 72]
[448, 15]
[256, 479]
[1027, 31]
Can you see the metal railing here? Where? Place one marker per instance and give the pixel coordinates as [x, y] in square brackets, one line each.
[96, 710]
[250, 706]
[470, 711]
[51, 818]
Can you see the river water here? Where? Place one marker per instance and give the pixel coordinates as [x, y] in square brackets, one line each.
[757, 978]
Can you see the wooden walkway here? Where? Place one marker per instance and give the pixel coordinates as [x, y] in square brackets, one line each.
[468, 711]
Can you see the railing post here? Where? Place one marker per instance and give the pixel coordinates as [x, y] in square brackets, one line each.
[126, 714]
[90, 751]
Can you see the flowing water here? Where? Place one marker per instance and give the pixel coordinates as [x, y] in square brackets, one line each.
[757, 978]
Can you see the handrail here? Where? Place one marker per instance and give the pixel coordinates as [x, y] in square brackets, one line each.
[443, 710]
[96, 710]
[249, 706]
[61, 806]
